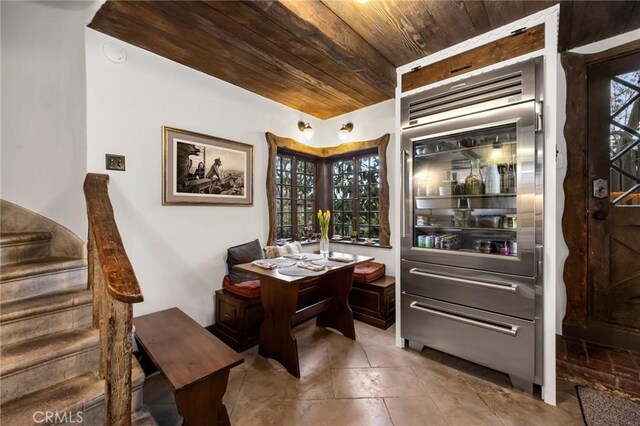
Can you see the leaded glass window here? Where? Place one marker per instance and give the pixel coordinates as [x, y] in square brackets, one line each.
[356, 196]
[295, 198]
[624, 139]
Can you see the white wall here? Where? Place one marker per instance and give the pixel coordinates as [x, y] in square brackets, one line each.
[43, 109]
[369, 123]
[178, 252]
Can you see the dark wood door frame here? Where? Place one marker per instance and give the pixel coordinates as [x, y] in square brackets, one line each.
[574, 220]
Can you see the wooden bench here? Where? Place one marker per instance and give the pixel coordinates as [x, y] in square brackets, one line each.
[374, 302]
[195, 363]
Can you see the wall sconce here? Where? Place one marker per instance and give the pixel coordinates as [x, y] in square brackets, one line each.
[306, 130]
[344, 131]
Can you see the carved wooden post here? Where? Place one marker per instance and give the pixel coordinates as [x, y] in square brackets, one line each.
[115, 288]
[118, 364]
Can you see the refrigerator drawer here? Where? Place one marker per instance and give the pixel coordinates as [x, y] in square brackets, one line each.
[501, 293]
[503, 343]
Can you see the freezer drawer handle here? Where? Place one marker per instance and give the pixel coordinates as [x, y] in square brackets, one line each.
[511, 331]
[511, 288]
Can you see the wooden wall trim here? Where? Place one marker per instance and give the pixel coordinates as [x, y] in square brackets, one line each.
[574, 217]
[575, 214]
[381, 144]
[497, 51]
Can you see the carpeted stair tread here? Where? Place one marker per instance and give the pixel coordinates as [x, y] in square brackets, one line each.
[64, 299]
[45, 266]
[11, 238]
[72, 395]
[22, 355]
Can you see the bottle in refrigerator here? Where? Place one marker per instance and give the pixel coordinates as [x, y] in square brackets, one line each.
[492, 184]
[473, 183]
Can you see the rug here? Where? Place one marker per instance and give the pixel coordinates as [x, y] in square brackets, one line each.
[604, 409]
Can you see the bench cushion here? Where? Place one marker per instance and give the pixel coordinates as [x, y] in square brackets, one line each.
[368, 272]
[244, 253]
[248, 289]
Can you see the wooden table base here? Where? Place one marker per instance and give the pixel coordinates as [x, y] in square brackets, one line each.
[279, 300]
[201, 403]
[339, 316]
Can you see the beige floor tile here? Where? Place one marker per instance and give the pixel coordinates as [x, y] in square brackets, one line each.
[265, 385]
[370, 335]
[254, 413]
[375, 382]
[337, 412]
[414, 411]
[521, 409]
[439, 378]
[390, 356]
[312, 358]
[314, 384]
[483, 379]
[347, 355]
[233, 389]
[465, 409]
[255, 362]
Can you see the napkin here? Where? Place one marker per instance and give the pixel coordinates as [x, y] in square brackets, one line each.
[263, 264]
[296, 256]
[343, 259]
[310, 266]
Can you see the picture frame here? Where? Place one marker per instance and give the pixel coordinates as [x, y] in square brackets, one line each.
[199, 169]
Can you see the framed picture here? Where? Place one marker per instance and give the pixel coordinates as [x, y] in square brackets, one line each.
[203, 169]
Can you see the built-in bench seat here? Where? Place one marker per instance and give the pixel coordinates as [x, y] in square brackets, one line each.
[238, 315]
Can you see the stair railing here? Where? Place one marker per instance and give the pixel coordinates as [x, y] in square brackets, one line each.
[115, 289]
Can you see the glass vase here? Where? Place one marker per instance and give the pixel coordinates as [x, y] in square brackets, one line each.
[324, 244]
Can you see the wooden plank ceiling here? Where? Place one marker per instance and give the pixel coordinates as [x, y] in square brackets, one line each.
[329, 57]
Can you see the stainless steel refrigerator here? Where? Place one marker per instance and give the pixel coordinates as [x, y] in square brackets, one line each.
[472, 220]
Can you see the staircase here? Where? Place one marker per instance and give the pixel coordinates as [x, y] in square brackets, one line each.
[49, 350]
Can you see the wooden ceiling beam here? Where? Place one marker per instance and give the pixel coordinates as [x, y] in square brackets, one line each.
[313, 22]
[383, 25]
[585, 22]
[200, 22]
[247, 24]
[228, 66]
[503, 12]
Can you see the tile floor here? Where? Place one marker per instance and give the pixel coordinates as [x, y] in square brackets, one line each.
[371, 382]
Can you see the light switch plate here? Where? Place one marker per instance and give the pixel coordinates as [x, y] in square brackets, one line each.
[114, 162]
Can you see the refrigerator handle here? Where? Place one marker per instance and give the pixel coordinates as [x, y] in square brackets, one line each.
[403, 217]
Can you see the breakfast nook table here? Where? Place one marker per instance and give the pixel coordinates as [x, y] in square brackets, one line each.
[279, 295]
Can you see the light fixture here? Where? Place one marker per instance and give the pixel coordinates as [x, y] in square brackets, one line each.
[306, 130]
[362, 1]
[344, 131]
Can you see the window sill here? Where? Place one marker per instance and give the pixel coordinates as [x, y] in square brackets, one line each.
[346, 242]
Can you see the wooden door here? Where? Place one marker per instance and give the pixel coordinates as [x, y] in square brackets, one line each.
[613, 200]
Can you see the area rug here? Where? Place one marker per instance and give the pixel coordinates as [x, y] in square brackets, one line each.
[604, 409]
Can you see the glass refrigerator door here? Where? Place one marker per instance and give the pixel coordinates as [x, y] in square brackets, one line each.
[465, 188]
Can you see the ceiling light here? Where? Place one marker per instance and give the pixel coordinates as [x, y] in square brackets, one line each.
[343, 133]
[306, 130]
[362, 1]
